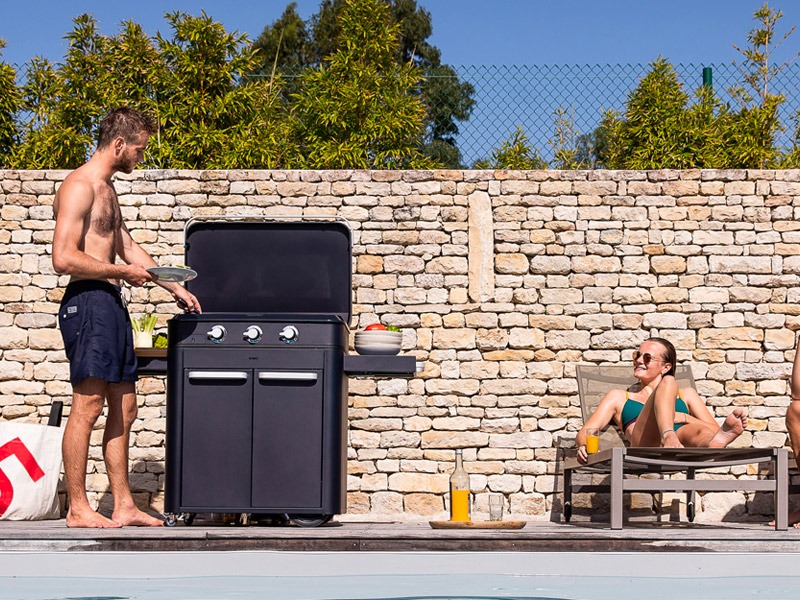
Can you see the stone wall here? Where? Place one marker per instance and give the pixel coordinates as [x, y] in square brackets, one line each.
[502, 282]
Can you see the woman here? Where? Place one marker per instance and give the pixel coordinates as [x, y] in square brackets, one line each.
[654, 412]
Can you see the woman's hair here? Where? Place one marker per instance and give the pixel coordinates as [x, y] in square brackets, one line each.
[670, 355]
[126, 123]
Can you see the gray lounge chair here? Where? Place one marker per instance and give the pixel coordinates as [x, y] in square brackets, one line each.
[621, 462]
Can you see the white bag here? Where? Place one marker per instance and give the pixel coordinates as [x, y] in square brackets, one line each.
[30, 465]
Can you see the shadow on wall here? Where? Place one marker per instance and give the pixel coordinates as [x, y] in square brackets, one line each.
[146, 481]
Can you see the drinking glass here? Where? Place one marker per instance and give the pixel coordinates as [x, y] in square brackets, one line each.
[592, 441]
[495, 507]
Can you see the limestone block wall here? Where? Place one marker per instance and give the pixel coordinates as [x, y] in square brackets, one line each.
[502, 282]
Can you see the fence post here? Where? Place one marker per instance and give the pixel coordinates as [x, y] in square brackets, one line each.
[708, 77]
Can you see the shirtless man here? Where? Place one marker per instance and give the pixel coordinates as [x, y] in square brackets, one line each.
[793, 423]
[89, 237]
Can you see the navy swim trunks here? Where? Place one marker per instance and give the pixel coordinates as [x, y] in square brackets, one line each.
[96, 329]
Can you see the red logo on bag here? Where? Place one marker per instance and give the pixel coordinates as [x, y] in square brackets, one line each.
[16, 448]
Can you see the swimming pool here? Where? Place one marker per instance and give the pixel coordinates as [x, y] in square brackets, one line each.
[396, 575]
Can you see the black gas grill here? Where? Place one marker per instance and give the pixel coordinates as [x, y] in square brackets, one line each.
[257, 384]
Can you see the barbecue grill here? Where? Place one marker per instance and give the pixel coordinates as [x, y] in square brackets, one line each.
[257, 384]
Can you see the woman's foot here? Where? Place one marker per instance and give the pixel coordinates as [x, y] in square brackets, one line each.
[731, 429]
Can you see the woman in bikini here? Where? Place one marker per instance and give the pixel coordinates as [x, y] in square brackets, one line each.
[655, 413]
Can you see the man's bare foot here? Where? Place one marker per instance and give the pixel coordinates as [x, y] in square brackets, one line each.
[136, 518]
[732, 428]
[90, 518]
[793, 520]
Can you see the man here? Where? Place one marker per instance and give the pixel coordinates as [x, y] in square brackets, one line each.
[89, 237]
[793, 423]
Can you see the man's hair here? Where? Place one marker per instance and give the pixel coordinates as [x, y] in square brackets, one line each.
[126, 123]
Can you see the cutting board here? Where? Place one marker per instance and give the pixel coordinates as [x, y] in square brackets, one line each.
[151, 352]
[478, 524]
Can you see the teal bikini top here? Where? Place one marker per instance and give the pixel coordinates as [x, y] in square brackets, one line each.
[632, 408]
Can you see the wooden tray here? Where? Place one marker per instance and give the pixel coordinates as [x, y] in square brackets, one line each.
[478, 524]
[151, 352]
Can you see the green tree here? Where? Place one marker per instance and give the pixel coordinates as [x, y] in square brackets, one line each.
[652, 133]
[359, 110]
[10, 103]
[290, 45]
[204, 123]
[64, 102]
[660, 129]
[759, 67]
[191, 82]
[284, 46]
[514, 153]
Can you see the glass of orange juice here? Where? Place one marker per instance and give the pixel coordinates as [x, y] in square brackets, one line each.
[592, 441]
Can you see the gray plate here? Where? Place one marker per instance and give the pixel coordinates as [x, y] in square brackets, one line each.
[173, 274]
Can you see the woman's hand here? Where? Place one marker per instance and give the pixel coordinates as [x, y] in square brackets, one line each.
[583, 456]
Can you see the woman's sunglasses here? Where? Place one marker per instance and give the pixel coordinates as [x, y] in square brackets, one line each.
[646, 357]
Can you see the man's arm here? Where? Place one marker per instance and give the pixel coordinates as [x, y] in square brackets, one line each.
[75, 200]
[131, 252]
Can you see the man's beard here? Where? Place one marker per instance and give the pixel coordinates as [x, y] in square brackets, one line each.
[125, 164]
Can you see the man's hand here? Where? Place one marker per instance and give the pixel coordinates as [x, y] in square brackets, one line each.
[186, 300]
[136, 275]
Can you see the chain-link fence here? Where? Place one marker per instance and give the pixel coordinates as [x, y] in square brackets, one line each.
[529, 96]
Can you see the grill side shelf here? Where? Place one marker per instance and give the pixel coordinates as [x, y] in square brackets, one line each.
[152, 361]
[377, 365]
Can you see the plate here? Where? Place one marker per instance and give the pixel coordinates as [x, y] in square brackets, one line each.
[173, 274]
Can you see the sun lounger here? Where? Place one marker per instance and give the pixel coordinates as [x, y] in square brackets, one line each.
[623, 464]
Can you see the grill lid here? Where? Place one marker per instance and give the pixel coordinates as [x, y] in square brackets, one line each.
[258, 266]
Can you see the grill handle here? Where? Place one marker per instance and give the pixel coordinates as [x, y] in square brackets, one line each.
[226, 375]
[286, 376]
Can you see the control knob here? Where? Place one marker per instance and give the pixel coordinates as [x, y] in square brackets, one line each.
[288, 334]
[252, 334]
[216, 334]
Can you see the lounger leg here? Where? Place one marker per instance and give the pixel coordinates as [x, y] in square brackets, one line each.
[690, 507]
[616, 488]
[567, 494]
[781, 464]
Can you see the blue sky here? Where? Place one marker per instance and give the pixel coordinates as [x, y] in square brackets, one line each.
[469, 32]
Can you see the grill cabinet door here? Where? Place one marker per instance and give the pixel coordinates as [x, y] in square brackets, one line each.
[287, 439]
[216, 439]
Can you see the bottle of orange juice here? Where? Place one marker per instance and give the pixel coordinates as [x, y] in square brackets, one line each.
[459, 491]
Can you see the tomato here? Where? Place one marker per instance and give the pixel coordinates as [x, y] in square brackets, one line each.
[374, 326]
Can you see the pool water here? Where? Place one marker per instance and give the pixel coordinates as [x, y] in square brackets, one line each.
[397, 576]
[407, 587]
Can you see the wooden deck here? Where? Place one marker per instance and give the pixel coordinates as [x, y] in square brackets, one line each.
[349, 535]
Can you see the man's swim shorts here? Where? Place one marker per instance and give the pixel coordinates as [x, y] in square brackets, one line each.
[96, 329]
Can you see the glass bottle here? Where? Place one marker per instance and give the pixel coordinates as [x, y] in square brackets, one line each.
[459, 491]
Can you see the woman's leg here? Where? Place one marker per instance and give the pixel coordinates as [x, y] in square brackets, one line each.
[700, 434]
[658, 414]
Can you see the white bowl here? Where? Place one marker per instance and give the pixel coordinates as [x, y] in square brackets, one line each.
[363, 347]
[379, 335]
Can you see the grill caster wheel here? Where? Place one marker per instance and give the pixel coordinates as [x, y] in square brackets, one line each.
[170, 520]
[309, 520]
[690, 511]
[188, 518]
[567, 511]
